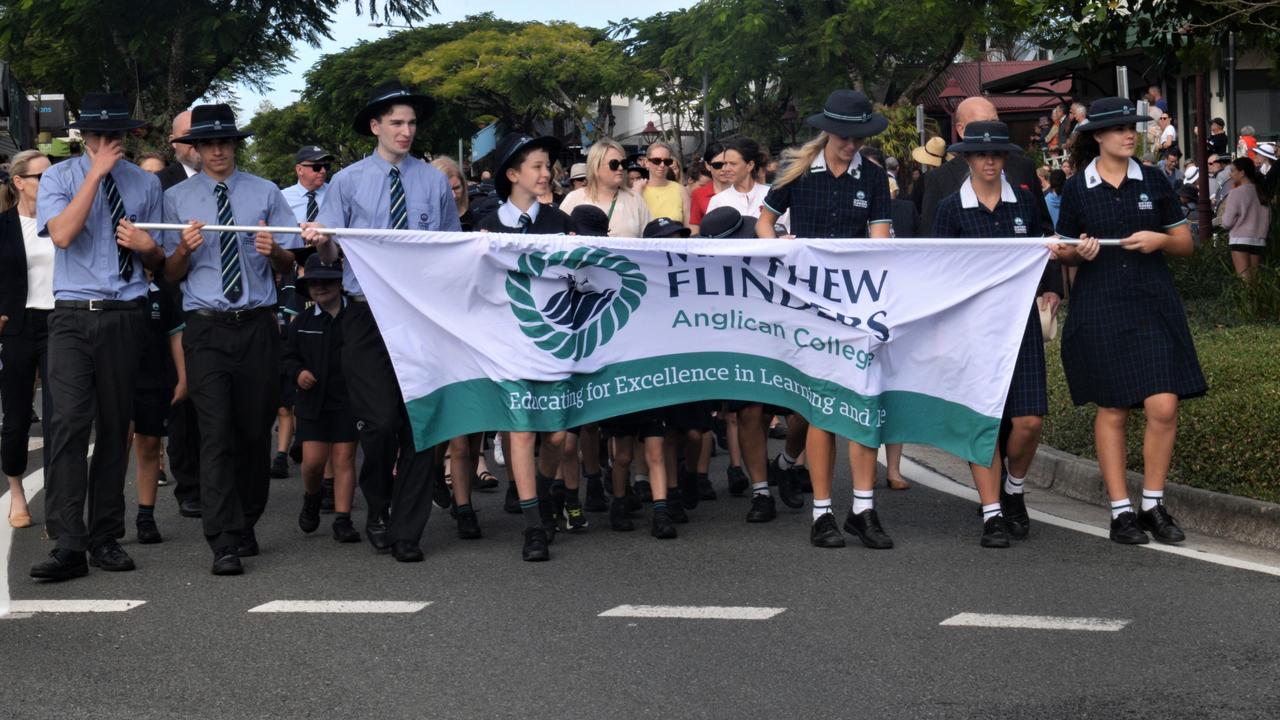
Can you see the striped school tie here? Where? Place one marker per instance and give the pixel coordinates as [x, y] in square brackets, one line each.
[399, 213]
[124, 262]
[525, 222]
[230, 251]
[313, 208]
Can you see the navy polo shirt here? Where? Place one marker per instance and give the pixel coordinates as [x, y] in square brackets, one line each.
[960, 215]
[823, 205]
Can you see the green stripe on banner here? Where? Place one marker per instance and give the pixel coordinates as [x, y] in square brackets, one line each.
[893, 417]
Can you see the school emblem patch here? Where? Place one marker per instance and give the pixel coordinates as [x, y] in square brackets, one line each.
[601, 292]
[1144, 201]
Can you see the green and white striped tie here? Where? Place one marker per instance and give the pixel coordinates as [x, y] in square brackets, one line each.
[230, 252]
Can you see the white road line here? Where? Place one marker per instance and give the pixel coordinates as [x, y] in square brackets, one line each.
[34, 444]
[693, 612]
[1035, 622]
[339, 606]
[936, 481]
[73, 606]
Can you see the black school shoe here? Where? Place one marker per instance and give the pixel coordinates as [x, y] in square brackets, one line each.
[535, 545]
[1161, 525]
[406, 551]
[663, 527]
[309, 516]
[788, 484]
[995, 533]
[643, 491]
[866, 525]
[738, 482]
[148, 531]
[280, 466]
[762, 509]
[61, 565]
[825, 533]
[111, 557]
[248, 546]
[468, 526]
[619, 518]
[344, 531]
[1125, 530]
[379, 533]
[1014, 509]
[226, 562]
[595, 501]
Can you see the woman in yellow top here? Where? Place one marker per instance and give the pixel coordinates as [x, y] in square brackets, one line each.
[666, 197]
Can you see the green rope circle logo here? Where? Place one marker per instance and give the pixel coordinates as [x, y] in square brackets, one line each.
[574, 321]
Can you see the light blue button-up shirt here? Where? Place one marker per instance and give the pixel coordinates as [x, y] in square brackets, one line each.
[88, 269]
[360, 197]
[252, 199]
[296, 196]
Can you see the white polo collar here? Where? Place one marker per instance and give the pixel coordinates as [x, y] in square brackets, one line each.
[1092, 178]
[819, 164]
[509, 214]
[320, 310]
[969, 197]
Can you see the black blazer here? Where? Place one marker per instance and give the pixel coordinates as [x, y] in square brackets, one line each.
[13, 272]
[171, 175]
[311, 342]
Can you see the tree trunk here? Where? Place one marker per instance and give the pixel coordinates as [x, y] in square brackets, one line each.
[933, 71]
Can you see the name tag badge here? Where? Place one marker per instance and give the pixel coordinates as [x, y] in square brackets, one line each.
[1019, 227]
[860, 200]
[1144, 202]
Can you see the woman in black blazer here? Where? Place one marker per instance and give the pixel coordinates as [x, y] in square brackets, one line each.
[26, 299]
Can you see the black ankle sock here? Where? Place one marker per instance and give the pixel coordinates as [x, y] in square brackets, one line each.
[702, 476]
[464, 509]
[571, 498]
[342, 516]
[544, 487]
[146, 509]
[532, 513]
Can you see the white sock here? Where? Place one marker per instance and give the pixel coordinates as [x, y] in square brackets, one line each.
[1119, 507]
[863, 500]
[642, 479]
[760, 489]
[785, 461]
[1151, 498]
[990, 511]
[820, 508]
[1013, 485]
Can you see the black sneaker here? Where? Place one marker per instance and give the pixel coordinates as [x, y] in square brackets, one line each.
[162, 480]
[468, 526]
[1014, 509]
[643, 492]
[866, 525]
[1161, 525]
[825, 533]
[762, 509]
[279, 466]
[511, 503]
[619, 518]
[995, 533]
[326, 496]
[148, 533]
[61, 565]
[535, 545]
[1126, 531]
[595, 501]
[111, 557]
[309, 516]
[738, 482]
[663, 528]
[705, 490]
[675, 506]
[575, 521]
[344, 531]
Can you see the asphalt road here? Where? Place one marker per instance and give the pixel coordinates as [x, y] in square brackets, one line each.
[859, 633]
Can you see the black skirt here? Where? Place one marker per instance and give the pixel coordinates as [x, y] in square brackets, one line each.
[1028, 391]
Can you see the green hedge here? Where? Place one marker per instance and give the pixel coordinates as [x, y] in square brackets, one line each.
[1229, 440]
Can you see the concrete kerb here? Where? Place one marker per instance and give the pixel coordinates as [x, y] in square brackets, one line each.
[1226, 516]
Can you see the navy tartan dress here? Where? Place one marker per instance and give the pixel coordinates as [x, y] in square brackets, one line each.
[960, 215]
[1126, 337]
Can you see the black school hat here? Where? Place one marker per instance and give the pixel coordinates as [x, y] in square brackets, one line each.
[590, 221]
[391, 92]
[509, 147]
[985, 136]
[105, 112]
[726, 222]
[1109, 112]
[317, 269]
[212, 122]
[848, 113]
[665, 227]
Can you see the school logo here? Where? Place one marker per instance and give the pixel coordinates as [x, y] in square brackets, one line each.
[422, 221]
[1019, 227]
[860, 199]
[601, 291]
[1144, 202]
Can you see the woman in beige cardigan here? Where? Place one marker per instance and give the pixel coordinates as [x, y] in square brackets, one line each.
[1246, 217]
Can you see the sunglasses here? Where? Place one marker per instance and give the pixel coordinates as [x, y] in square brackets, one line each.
[615, 164]
[35, 177]
[717, 165]
[661, 161]
[322, 167]
[1164, 117]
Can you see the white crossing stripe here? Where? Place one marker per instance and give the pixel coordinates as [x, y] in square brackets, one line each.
[35, 444]
[73, 606]
[1036, 622]
[693, 612]
[339, 606]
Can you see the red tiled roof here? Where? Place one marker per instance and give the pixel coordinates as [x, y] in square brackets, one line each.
[971, 76]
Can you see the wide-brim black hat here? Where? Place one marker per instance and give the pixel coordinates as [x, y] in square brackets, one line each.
[105, 112]
[1110, 112]
[509, 147]
[726, 222]
[212, 122]
[590, 221]
[848, 113]
[387, 94]
[665, 227]
[317, 269]
[985, 136]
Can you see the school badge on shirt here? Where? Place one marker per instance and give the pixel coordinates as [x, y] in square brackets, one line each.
[1144, 201]
[422, 221]
[860, 199]
[1019, 227]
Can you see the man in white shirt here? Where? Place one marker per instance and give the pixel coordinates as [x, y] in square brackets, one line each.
[312, 165]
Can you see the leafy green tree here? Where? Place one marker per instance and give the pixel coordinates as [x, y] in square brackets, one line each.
[277, 135]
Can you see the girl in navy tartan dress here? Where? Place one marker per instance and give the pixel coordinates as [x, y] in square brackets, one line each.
[1126, 343]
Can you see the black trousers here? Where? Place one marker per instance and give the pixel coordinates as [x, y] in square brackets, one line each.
[93, 367]
[385, 435]
[22, 356]
[233, 379]
[184, 451]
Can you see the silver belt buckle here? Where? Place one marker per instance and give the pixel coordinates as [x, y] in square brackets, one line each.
[95, 306]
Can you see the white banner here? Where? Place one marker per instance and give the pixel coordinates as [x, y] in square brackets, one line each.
[876, 340]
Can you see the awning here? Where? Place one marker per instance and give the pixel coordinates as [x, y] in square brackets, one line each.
[1086, 74]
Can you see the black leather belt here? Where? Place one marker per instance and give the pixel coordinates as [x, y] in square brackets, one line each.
[98, 305]
[234, 315]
